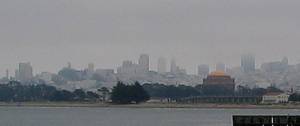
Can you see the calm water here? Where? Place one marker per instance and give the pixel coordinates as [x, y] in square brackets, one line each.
[30, 116]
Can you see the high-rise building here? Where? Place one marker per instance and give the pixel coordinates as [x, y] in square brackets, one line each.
[7, 74]
[91, 67]
[24, 72]
[276, 66]
[162, 65]
[128, 67]
[248, 63]
[221, 67]
[69, 65]
[203, 70]
[144, 62]
[285, 61]
[173, 66]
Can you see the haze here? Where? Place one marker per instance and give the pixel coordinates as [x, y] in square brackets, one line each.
[50, 33]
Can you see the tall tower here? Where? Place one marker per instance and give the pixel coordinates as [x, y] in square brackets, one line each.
[7, 74]
[144, 62]
[285, 61]
[248, 63]
[91, 67]
[25, 72]
[161, 65]
[69, 65]
[173, 66]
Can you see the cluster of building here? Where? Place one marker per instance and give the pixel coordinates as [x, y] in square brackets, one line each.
[247, 66]
[220, 83]
[279, 73]
[142, 67]
[128, 67]
[220, 88]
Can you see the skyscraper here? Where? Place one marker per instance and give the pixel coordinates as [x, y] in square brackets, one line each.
[248, 63]
[144, 62]
[161, 65]
[69, 65]
[173, 66]
[7, 74]
[91, 67]
[24, 72]
[203, 70]
[130, 68]
[285, 61]
[221, 67]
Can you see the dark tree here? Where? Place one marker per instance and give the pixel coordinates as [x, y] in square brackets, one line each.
[119, 94]
[104, 92]
[6, 93]
[274, 89]
[139, 94]
[92, 95]
[79, 94]
[294, 97]
[13, 91]
[63, 95]
[126, 94]
[259, 91]
[171, 91]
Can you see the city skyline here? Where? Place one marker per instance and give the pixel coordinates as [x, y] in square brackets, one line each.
[151, 62]
[49, 34]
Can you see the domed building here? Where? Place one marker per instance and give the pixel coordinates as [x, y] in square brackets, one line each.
[218, 84]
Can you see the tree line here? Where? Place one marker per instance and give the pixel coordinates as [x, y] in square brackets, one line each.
[121, 93]
[171, 91]
[127, 94]
[15, 92]
[157, 90]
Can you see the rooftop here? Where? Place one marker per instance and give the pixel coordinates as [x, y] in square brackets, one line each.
[218, 73]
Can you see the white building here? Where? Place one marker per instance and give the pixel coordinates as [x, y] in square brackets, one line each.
[24, 73]
[274, 98]
[248, 63]
[173, 66]
[276, 66]
[144, 62]
[128, 67]
[91, 67]
[161, 65]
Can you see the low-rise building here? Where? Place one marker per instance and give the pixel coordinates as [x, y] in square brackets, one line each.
[275, 97]
[218, 84]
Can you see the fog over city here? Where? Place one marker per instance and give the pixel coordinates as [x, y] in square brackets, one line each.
[51, 33]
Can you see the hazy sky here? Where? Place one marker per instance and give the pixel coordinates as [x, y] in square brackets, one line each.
[49, 33]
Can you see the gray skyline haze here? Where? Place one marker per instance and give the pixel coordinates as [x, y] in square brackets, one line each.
[51, 33]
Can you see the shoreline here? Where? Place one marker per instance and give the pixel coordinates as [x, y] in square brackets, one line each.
[148, 105]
